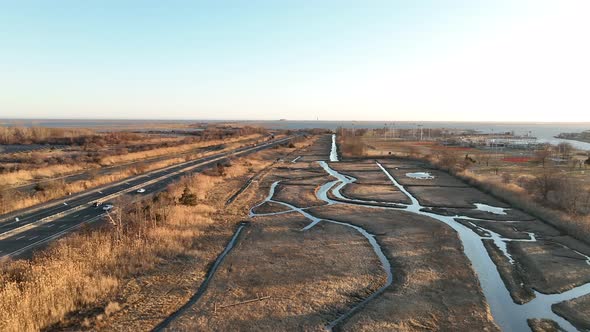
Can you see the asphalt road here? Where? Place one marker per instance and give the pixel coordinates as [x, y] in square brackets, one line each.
[25, 230]
[86, 175]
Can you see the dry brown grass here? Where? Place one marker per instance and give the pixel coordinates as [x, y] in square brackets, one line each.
[61, 189]
[86, 267]
[500, 179]
[83, 268]
[575, 226]
[335, 265]
[23, 135]
[112, 160]
[18, 201]
[22, 176]
[52, 171]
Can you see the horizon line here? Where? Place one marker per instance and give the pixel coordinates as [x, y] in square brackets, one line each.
[293, 120]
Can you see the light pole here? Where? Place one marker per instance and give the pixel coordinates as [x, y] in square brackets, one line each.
[420, 126]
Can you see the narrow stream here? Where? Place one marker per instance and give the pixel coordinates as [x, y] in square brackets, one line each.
[386, 265]
[334, 150]
[166, 323]
[491, 209]
[508, 315]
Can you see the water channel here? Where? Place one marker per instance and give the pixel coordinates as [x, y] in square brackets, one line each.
[509, 315]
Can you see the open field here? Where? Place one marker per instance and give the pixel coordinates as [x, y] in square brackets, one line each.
[353, 245]
[432, 275]
[50, 183]
[143, 246]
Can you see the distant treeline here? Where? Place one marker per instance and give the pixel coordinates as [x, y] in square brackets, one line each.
[41, 135]
[88, 137]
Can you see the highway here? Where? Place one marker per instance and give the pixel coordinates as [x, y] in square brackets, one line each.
[87, 174]
[25, 230]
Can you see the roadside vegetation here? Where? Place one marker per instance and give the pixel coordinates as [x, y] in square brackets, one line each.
[71, 152]
[82, 272]
[551, 182]
[49, 172]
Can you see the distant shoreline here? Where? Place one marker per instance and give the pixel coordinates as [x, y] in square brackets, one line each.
[573, 139]
[583, 136]
[4, 121]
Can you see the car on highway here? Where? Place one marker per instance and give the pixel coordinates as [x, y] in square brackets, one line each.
[96, 204]
[108, 207]
[140, 190]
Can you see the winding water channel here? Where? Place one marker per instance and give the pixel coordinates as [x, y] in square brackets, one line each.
[334, 149]
[509, 315]
[165, 324]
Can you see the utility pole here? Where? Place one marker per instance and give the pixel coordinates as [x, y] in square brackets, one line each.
[420, 126]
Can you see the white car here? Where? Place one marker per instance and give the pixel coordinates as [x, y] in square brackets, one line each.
[107, 207]
[140, 190]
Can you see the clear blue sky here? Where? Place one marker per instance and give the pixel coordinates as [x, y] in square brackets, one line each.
[354, 60]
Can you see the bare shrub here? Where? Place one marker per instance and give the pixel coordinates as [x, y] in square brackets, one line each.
[543, 154]
[565, 149]
[542, 184]
[485, 158]
[446, 160]
[187, 197]
[352, 146]
[570, 196]
[111, 308]
[84, 269]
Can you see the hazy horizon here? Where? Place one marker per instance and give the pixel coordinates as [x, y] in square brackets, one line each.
[389, 122]
[506, 61]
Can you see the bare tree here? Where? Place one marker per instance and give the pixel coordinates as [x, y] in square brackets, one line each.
[485, 158]
[541, 155]
[353, 146]
[569, 196]
[447, 159]
[544, 183]
[565, 149]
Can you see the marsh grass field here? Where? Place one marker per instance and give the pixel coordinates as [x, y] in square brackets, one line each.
[355, 244]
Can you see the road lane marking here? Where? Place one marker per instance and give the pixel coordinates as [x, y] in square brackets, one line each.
[20, 237]
[33, 237]
[168, 174]
[62, 226]
[50, 225]
[49, 238]
[100, 192]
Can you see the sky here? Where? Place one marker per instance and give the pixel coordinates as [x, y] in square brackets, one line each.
[413, 60]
